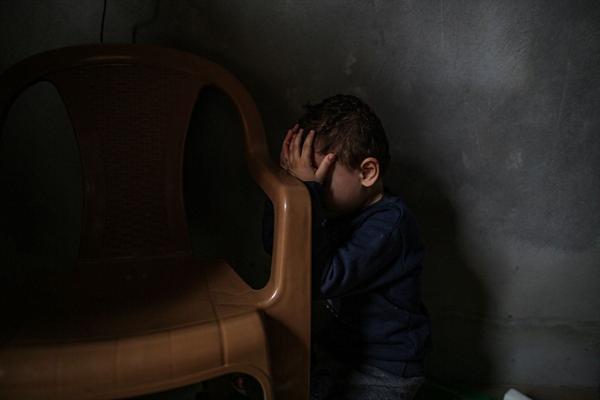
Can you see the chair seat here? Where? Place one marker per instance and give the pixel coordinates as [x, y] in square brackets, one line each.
[125, 329]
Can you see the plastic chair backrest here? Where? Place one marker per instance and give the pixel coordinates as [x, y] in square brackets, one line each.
[121, 100]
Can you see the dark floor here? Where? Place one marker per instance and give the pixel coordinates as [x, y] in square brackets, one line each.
[224, 388]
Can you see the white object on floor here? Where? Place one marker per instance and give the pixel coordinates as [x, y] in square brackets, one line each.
[514, 394]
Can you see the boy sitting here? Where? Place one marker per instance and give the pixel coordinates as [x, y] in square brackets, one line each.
[367, 256]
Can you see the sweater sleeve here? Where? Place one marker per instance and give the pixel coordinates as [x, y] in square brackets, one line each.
[352, 266]
[360, 263]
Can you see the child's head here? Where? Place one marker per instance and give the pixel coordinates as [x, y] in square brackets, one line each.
[349, 128]
[346, 126]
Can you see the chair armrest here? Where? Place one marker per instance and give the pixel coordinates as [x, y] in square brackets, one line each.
[291, 257]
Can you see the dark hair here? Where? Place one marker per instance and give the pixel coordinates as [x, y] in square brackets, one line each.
[347, 126]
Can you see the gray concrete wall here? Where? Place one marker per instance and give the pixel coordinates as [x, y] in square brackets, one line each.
[491, 108]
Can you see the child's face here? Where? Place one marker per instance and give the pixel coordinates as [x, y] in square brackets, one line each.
[344, 192]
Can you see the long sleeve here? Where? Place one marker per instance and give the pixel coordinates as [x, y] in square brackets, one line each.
[342, 266]
[361, 262]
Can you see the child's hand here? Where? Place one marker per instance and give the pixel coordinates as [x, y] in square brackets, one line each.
[298, 160]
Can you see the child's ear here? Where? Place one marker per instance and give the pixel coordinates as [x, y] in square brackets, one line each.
[369, 171]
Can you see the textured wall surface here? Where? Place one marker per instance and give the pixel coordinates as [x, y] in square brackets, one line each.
[491, 108]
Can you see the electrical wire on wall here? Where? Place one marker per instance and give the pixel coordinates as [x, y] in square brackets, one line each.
[136, 26]
[102, 24]
[147, 22]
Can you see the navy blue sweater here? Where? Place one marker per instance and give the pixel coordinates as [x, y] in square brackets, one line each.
[368, 266]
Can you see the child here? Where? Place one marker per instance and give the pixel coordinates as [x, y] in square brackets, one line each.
[366, 256]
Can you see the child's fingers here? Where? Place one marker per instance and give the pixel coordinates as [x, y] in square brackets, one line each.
[295, 150]
[283, 160]
[307, 148]
[325, 167]
[285, 149]
[288, 136]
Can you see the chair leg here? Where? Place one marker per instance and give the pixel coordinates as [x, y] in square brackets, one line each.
[267, 387]
[252, 384]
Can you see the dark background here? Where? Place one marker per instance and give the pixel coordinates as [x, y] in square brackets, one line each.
[492, 109]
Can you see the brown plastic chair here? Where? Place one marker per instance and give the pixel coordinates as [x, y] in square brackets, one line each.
[140, 314]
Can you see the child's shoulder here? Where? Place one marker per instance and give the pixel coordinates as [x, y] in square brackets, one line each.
[390, 203]
[391, 216]
[390, 210]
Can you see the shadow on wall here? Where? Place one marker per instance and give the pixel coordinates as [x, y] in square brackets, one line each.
[452, 292]
[41, 186]
[41, 200]
[224, 205]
